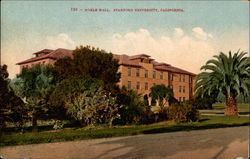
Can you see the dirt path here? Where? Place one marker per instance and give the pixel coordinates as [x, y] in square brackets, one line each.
[223, 143]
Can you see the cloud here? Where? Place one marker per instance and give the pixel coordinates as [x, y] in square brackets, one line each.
[178, 32]
[62, 40]
[201, 34]
[187, 52]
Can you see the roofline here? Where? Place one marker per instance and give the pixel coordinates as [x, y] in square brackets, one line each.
[132, 65]
[187, 73]
[42, 58]
[41, 51]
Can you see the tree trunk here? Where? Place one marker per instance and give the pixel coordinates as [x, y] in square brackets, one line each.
[111, 123]
[231, 106]
[34, 122]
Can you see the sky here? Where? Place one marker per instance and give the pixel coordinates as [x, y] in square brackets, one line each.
[184, 39]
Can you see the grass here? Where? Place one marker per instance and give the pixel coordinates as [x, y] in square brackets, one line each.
[70, 134]
[241, 107]
[218, 109]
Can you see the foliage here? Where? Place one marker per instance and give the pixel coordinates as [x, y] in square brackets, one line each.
[93, 107]
[204, 103]
[229, 75]
[34, 85]
[133, 110]
[70, 134]
[240, 98]
[161, 92]
[68, 88]
[10, 104]
[182, 113]
[58, 124]
[91, 62]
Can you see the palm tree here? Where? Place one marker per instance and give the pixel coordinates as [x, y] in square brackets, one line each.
[161, 94]
[229, 75]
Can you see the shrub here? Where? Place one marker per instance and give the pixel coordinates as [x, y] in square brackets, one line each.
[132, 111]
[182, 113]
[58, 124]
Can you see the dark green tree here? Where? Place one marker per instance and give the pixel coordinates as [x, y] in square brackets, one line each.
[87, 61]
[86, 101]
[204, 103]
[229, 75]
[34, 85]
[133, 107]
[70, 87]
[10, 104]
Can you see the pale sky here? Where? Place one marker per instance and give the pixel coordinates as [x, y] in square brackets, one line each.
[183, 39]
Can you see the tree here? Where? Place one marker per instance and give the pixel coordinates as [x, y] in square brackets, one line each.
[85, 100]
[161, 94]
[93, 107]
[229, 75]
[133, 107]
[204, 103]
[34, 85]
[66, 89]
[10, 104]
[91, 62]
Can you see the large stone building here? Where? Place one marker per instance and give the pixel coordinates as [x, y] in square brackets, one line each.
[139, 72]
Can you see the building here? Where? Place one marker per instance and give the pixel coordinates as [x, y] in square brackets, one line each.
[45, 56]
[139, 72]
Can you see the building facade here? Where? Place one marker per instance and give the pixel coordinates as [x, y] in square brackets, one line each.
[138, 72]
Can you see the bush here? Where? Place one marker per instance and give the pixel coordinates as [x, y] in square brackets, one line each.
[203, 103]
[182, 113]
[133, 108]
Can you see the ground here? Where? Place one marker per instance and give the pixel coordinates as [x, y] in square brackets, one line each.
[221, 143]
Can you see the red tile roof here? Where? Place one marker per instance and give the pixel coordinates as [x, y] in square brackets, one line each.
[123, 60]
[44, 51]
[52, 54]
[129, 61]
[138, 56]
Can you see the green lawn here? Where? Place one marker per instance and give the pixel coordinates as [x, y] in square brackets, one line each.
[218, 109]
[69, 134]
[241, 107]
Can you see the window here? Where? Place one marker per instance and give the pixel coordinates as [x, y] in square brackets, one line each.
[183, 78]
[190, 80]
[146, 86]
[129, 71]
[161, 75]
[183, 89]
[172, 76]
[138, 72]
[138, 85]
[154, 74]
[179, 88]
[180, 99]
[183, 99]
[146, 73]
[171, 86]
[129, 84]
[180, 79]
